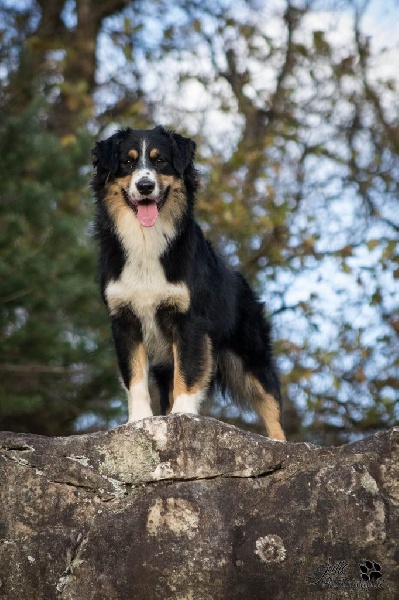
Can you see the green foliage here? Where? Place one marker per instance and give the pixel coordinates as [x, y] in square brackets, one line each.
[54, 357]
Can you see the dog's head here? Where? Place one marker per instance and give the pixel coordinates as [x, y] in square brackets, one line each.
[147, 169]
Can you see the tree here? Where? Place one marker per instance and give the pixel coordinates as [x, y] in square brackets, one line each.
[53, 338]
[298, 146]
[304, 199]
[55, 355]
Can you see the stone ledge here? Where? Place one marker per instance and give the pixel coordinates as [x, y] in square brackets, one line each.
[185, 507]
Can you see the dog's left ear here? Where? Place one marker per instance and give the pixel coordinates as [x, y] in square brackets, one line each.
[106, 154]
[183, 150]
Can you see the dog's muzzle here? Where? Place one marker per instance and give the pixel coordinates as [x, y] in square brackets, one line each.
[146, 209]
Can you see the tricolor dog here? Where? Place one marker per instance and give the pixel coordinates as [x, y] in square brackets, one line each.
[183, 322]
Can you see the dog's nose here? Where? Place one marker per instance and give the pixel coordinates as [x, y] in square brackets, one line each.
[145, 186]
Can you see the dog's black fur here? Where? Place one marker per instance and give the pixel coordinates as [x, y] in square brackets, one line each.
[179, 315]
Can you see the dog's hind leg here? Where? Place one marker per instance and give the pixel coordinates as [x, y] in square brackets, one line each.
[193, 368]
[266, 405]
[161, 388]
[247, 389]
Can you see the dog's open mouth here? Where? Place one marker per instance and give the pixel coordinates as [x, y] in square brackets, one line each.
[146, 210]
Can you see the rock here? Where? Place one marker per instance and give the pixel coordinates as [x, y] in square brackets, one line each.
[189, 508]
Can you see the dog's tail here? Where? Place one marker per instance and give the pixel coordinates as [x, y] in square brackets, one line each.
[258, 390]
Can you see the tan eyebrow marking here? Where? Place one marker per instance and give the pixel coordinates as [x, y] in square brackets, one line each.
[133, 154]
[154, 153]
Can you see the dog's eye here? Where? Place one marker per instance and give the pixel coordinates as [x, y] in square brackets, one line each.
[159, 161]
[128, 163]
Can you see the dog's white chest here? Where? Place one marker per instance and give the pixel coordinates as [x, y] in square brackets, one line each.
[143, 287]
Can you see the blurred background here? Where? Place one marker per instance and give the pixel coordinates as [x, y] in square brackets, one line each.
[294, 107]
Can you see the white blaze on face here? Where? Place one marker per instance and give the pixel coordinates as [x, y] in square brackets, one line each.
[144, 171]
[147, 213]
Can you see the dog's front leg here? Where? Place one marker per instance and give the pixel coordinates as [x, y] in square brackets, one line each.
[139, 399]
[133, 364]
[192, 372]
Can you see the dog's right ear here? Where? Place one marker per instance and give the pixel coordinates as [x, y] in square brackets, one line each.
[105, 154]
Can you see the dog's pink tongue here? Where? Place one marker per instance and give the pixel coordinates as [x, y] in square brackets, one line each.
[147, 214]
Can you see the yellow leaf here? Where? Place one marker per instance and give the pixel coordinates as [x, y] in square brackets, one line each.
[68, 139]
[371, 244]
[346, 268]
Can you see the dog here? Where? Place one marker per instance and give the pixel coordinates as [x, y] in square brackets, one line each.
[181, 318]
